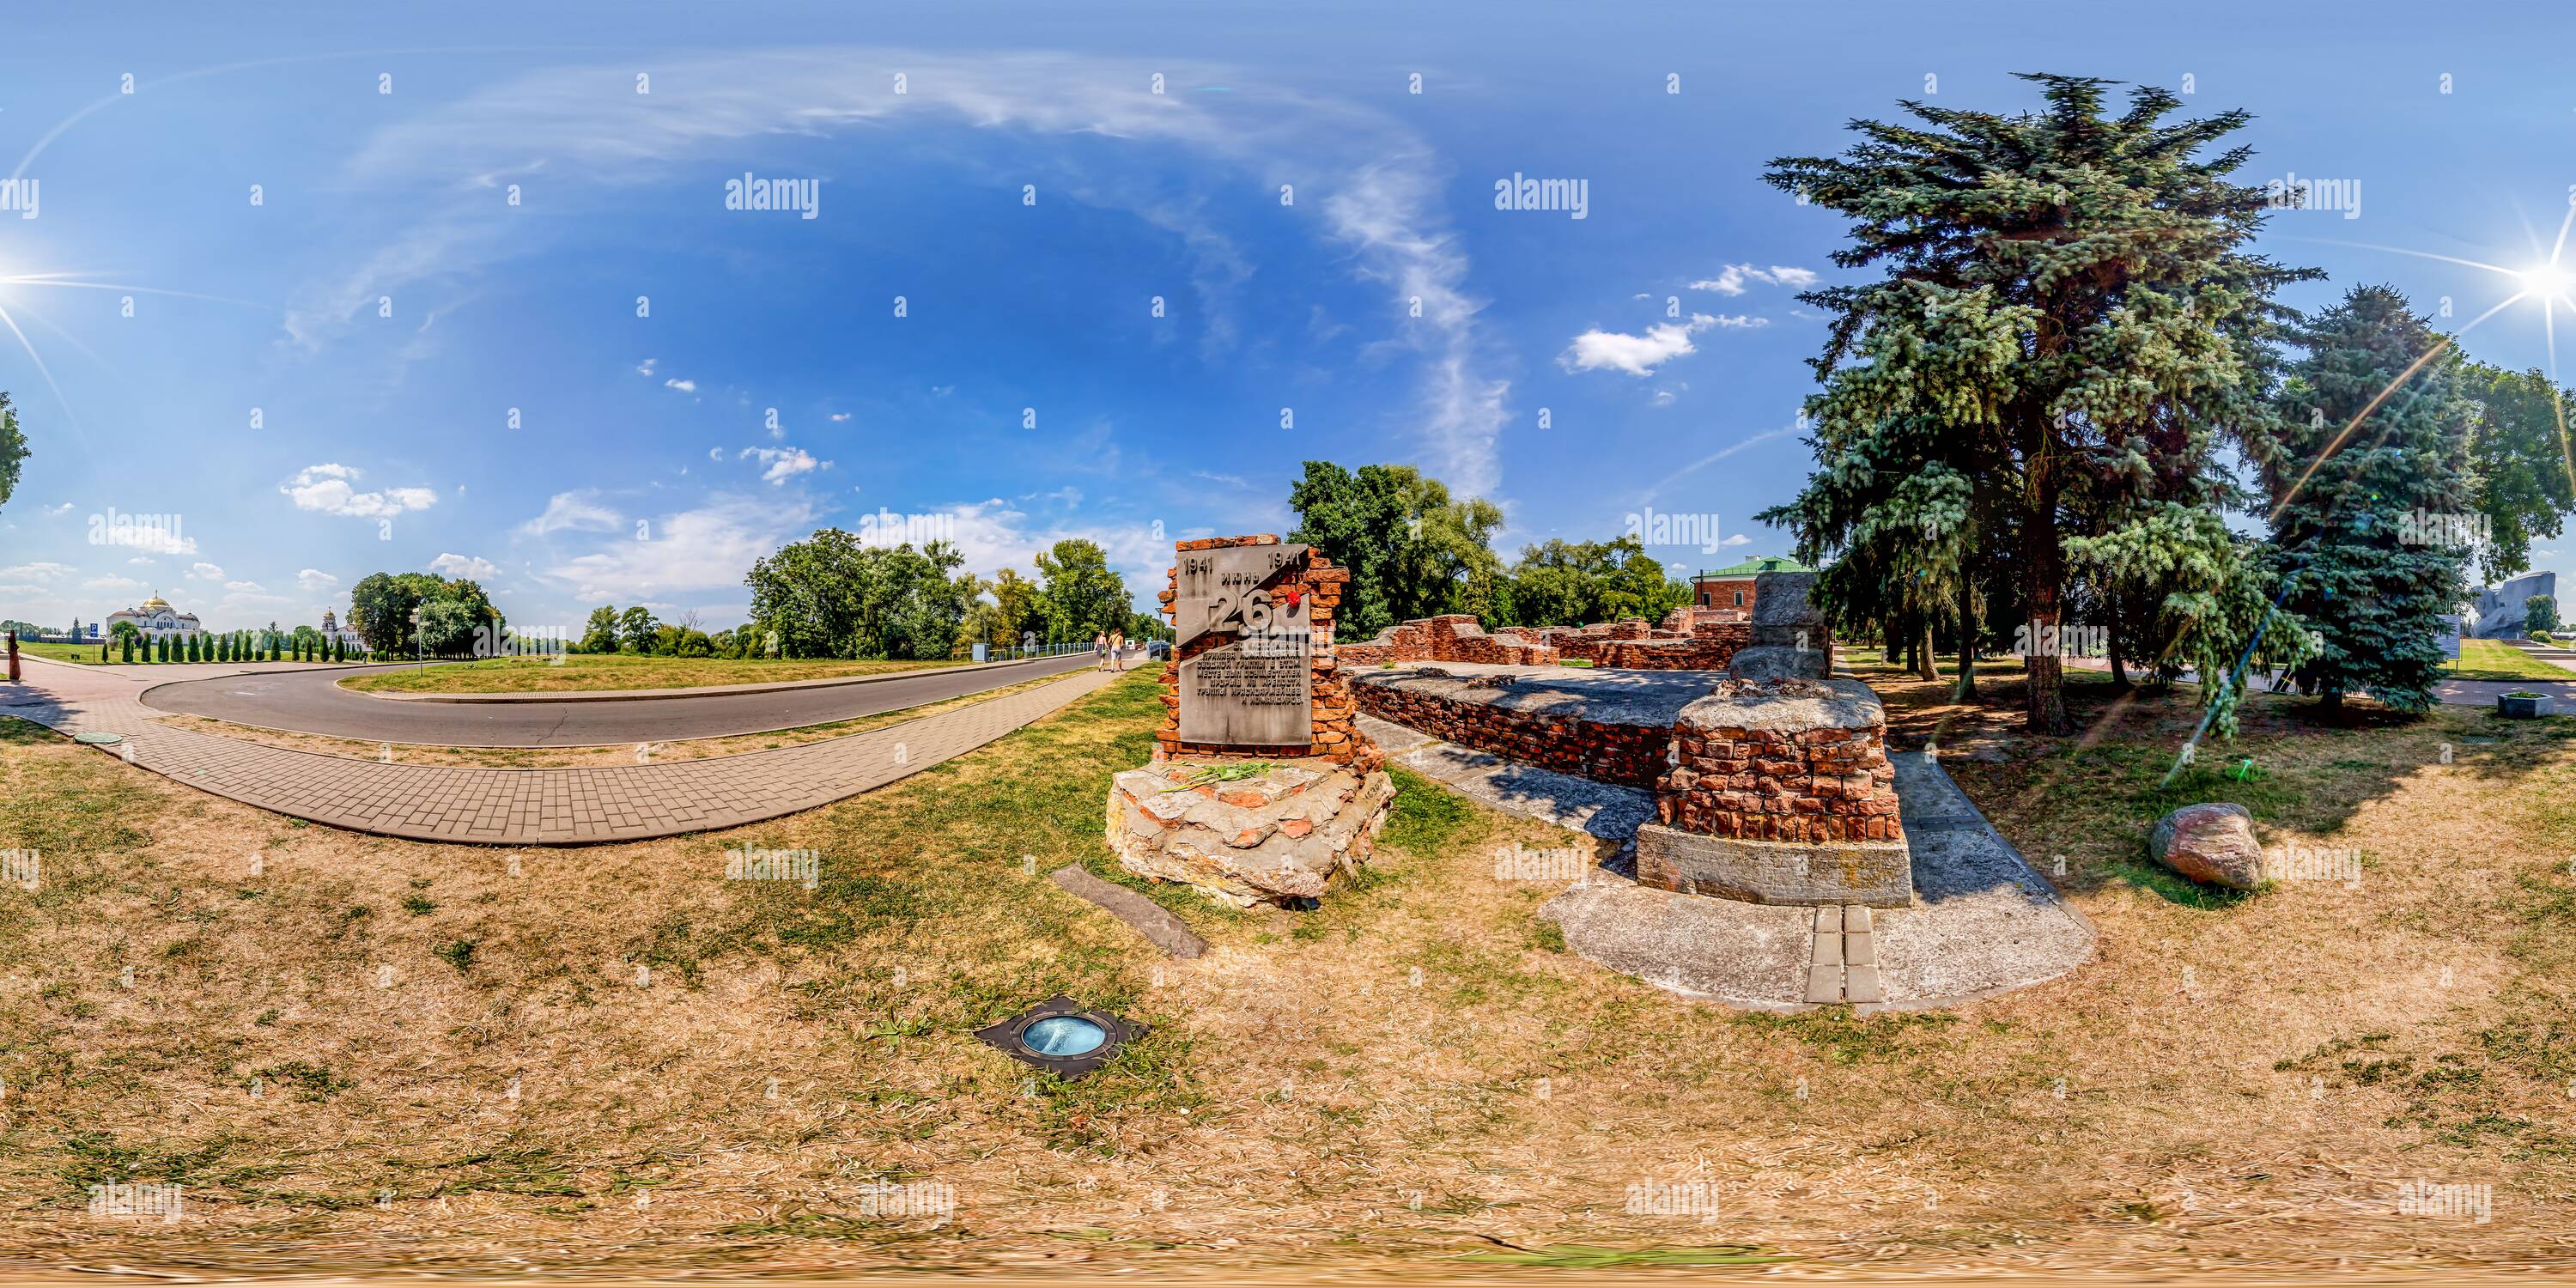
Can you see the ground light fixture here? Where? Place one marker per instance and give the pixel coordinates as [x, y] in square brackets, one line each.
[1061, 1036]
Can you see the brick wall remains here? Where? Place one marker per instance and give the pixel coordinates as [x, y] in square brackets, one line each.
[1742, 771]
[1628, 754]
[1709, 650]
[1454, 637]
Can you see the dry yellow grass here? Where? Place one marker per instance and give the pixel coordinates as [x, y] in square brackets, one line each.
[1306, 1099]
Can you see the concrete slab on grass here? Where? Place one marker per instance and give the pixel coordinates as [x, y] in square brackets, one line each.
[1146, 917]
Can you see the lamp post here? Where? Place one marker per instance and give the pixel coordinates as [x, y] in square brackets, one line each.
[416, 654]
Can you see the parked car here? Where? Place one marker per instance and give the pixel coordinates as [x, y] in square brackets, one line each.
[1158, 650]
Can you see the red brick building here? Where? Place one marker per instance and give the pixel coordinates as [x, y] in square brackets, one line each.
[1732, 587]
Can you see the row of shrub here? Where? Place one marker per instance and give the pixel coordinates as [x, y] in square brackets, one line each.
[242, 646]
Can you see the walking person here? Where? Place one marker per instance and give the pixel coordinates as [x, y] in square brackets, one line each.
[1100, 650]
[1117, 649]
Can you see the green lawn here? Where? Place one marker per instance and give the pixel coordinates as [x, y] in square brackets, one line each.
[614, 671]
[2497, 660]
[62, 652]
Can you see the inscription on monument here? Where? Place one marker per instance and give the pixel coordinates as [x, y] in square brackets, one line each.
[1253, 689]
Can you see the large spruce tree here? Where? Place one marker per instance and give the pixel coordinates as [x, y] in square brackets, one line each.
[2065, 327]
[2376, 432]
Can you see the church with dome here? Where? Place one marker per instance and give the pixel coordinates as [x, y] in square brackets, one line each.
[155, 618]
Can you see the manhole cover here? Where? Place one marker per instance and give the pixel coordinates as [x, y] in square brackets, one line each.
[99, 739]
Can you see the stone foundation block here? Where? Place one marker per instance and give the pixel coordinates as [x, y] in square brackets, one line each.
[1278, 837]
[1876, 873]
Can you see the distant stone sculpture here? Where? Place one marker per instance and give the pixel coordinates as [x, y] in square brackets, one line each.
[2504, 613]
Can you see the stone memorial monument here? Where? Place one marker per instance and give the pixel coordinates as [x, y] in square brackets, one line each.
[1262, 788]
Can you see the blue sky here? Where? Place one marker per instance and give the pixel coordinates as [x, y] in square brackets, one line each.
[383, 308]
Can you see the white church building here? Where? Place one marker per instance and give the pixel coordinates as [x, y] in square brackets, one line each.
[155, 618]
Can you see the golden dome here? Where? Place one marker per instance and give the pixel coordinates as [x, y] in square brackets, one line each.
[156, 602]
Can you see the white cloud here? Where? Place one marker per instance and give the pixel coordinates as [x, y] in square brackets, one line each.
[57, 510]
[1731, 279]
[684, 386]
[206, 572]
[647, 368]
[111, 583]
[1739, 539]
[314, 579]
[326, 488]
[784, 462]
[39, 571]
[151, 539]
[707, 548]
[453, 565]
[572, 512]
[840, 415]
[715, 453]
[1638, 355]
[1384, 202]
[249, 586]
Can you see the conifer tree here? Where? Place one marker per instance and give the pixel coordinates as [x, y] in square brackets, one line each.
[2373, 498]
[2064, 325]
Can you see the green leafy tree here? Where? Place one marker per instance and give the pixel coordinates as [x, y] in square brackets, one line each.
[1411, 549]
[13, 448]
[832, 595]
[2519, 458]
[1573, 583]
[1019, 608]
[449, 626]
[2376, 431]
[2540, 614]
[2064, 327]
[635, 629]
[600, 634]
[1082, 596]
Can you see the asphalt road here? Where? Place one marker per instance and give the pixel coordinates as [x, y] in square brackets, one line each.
[310, 702]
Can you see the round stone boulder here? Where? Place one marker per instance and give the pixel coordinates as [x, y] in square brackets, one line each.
[2212, 844]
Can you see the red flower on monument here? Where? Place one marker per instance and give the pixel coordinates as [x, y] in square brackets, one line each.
[1290, 595]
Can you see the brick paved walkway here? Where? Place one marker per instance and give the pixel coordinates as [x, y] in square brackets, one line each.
[522, 806]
